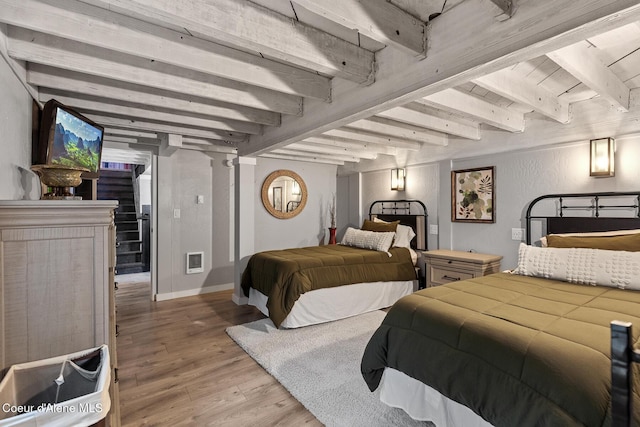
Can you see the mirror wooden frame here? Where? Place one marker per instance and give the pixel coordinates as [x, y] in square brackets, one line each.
[265, 193]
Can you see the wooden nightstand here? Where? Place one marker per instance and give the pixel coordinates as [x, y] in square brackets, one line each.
[445, 266]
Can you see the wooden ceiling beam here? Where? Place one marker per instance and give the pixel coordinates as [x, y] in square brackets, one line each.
[465, 43]
[419, 115]
[300, 158]
[143, 125]
[129, 132]
[475, 108]
[377, 19]
[324, 156]
[101, 107]
[320, 149]
[235, 23]
[510, 85]
[49, 50]
[580, 61]
[400, 130]
[99, 27]
[70, 81]
[351, 144]
[373, 138]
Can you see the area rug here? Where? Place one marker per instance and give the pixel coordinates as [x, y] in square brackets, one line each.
[320, 366]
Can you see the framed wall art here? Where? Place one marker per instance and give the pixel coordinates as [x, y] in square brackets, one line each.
[473, 197]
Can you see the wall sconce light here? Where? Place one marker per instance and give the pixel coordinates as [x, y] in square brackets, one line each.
[397, 179]
[603, 157]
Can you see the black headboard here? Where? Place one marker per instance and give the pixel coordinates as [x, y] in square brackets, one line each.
[412, 213]
[601, 212]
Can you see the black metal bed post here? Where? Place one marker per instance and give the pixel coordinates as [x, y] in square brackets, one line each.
[623, 356]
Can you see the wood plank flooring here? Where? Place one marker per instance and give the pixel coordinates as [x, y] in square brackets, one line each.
[178, 367]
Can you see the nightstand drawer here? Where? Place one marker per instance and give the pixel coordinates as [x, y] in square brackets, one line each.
[441, 275]
[445, 266]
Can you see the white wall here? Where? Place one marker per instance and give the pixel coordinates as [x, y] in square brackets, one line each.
[15, 141]
[523, 176]
[520, 177]
[421, 184]
[309, 228]
[181, 178]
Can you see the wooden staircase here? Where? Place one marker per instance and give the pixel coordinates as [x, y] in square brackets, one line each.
[118, 185]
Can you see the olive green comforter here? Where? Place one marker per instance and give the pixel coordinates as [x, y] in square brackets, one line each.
[518, 351]
[284, 275]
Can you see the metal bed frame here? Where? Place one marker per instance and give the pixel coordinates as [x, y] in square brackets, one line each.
[412, 213]
[623, 354]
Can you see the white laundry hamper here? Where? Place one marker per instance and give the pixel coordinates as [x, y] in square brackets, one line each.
[68, 390]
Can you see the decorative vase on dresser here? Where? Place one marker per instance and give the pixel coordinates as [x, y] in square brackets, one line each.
[57, 270]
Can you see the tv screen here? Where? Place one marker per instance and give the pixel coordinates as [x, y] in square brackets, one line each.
[67, 138]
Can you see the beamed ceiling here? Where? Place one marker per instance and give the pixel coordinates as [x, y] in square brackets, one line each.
[328, 81]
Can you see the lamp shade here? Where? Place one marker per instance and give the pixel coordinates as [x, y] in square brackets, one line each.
[602, 159]
[397, 179]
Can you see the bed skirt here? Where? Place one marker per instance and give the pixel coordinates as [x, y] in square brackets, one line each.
[328, 304]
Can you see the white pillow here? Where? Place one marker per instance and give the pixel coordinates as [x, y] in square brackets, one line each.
[376, 240]
[618, 269]
[404, 234]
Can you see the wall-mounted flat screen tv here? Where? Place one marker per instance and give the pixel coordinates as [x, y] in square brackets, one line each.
[68, 138]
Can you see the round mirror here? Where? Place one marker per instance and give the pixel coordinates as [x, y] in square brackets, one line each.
[284, 194]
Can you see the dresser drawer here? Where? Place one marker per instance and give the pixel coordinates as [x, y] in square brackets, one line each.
[441, 275]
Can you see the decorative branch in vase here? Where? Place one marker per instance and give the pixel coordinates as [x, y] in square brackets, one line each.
[332, 217]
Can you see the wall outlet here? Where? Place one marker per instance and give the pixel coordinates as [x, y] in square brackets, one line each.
[176, 213]
[517, 234]
[433, 229]
[200, 199]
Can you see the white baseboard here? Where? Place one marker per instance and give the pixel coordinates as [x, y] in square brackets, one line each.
[242, 300]
[192, 292]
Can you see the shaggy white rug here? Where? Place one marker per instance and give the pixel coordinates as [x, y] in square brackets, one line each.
[320, 366]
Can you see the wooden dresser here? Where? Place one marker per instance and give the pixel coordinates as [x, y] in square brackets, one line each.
[57, 269]
[445, 266]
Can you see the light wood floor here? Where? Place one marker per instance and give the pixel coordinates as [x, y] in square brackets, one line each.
[177, 366]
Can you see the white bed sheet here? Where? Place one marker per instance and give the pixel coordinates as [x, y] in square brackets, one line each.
[328, 304]
[423, 403]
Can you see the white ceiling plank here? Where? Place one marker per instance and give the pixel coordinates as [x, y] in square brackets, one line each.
[108, 121]
[373, 138]
[431, 119]
[98, 27]
[455, 101]
[324, 149]
[400, 130]
[579, 60]
[122, 139]
[236, 24]
[208, 142]
[302, 158]
[70, 81]
[205, 148]
[464, 44]
[377, 19]
[352, 144]
[506, 83]
[323, 156]
[86, 106]
[56, 52]
[128, 132]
